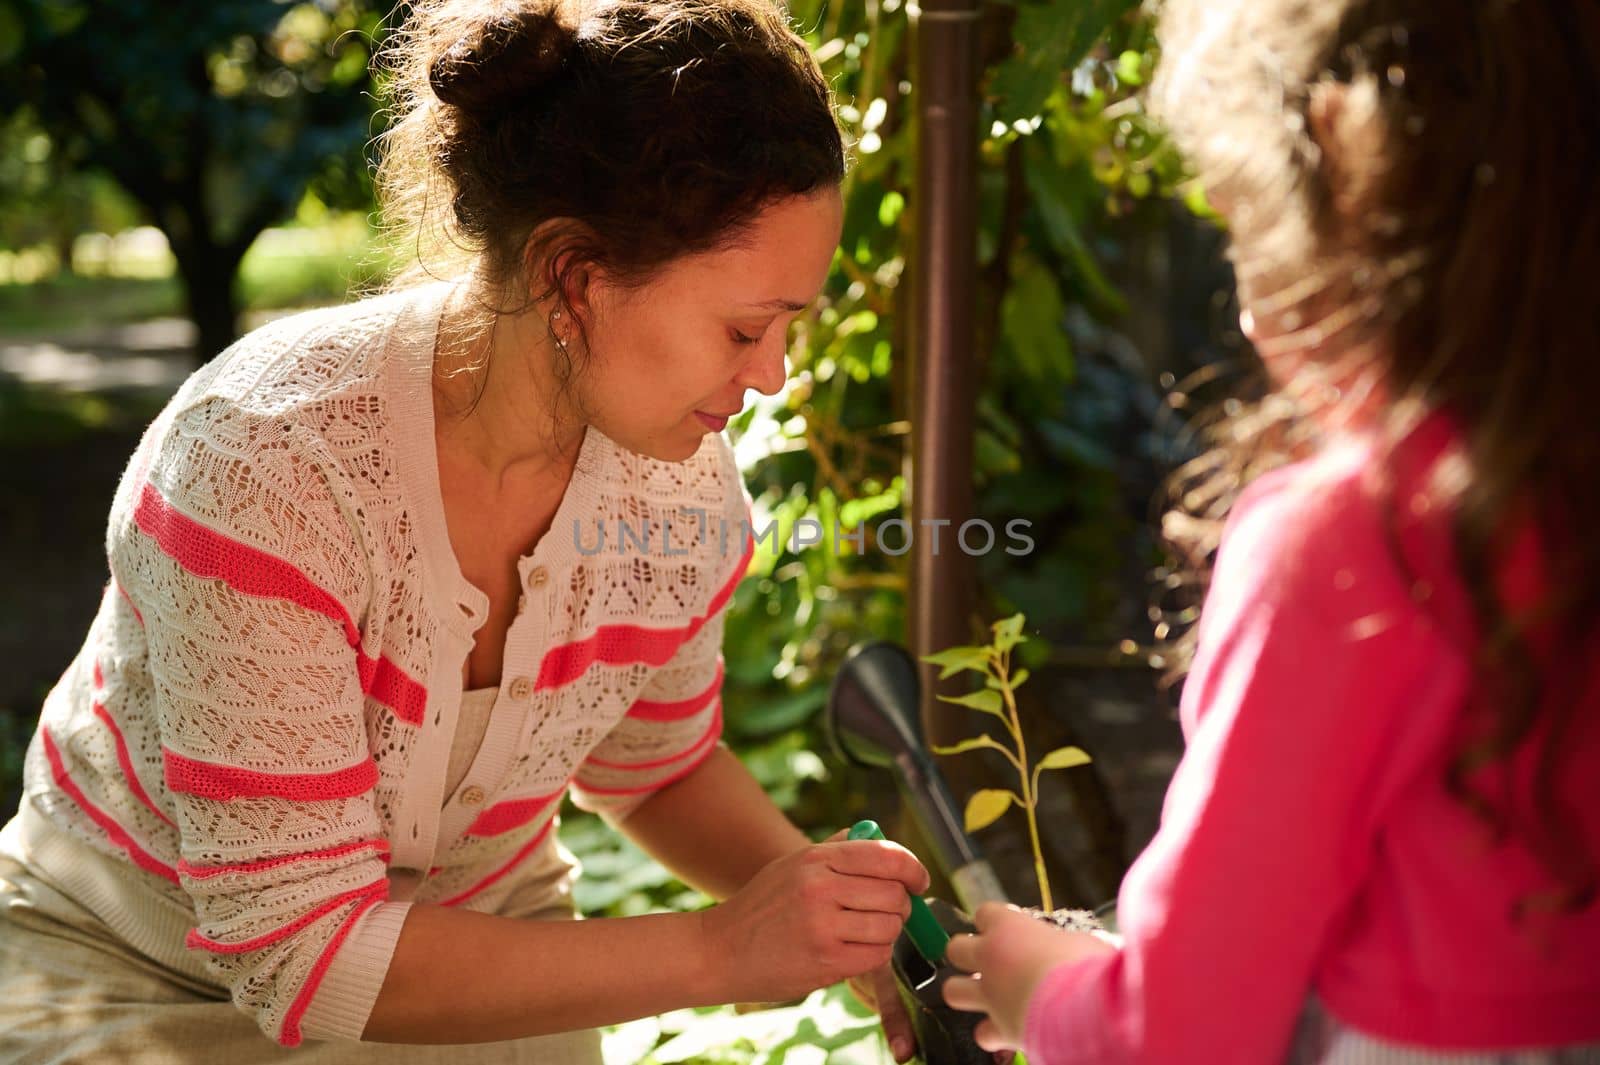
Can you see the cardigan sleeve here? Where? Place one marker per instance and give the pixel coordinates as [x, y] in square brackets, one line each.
[248, 580]
[1310, 661]
[669, 730]
[676, 721]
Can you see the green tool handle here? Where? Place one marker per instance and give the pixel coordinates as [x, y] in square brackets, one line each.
[927, 935]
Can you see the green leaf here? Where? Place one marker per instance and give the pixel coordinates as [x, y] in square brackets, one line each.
[765, 715]
[953, 660]
[1053, 38]
[1049, 182]
[967, 745]
[1130, 68]
[986, 806]
[890, 206]
[987, 701]
[995, 456]
[1064, 758]
[1032, 322]
[1008, 632]
[1019, 678]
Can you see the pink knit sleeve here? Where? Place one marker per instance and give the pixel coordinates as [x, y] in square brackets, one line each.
[247, 580]
[1309, 661]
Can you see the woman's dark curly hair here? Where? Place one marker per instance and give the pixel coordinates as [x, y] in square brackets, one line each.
[537, 139]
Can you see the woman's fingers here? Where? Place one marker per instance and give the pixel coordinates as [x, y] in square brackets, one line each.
[877, 858]
[872, 894]
[896, 1024]
[861, 926]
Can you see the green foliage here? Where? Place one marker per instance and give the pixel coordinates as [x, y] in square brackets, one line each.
[998, 697]
[214, 118]
[829, 1025]
[1067, 155]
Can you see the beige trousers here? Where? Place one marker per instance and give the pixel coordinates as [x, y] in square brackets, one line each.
[70, 992]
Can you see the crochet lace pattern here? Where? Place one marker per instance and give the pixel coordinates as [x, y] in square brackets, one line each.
[261, 713]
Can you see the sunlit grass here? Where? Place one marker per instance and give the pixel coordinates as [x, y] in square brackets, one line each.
[133, 277]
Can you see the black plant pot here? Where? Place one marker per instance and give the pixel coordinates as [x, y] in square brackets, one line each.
[944, 1034]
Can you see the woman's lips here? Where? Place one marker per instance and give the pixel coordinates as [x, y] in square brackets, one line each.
[715, 422]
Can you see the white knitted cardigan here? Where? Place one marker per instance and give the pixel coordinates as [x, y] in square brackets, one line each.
[247, 758]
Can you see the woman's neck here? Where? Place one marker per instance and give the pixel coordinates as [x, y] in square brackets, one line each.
[500, 410]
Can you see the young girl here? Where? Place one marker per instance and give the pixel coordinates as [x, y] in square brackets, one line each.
[360, 639]
[1382, 843]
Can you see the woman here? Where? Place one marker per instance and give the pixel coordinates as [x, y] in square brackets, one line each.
[359, 639]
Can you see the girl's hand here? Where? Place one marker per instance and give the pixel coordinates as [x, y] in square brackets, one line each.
[1010, 954]
[812, 918]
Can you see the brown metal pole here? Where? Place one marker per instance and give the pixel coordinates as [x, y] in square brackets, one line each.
[943, 335]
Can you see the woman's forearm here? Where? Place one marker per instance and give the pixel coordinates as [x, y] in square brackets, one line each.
[463, 977]
[715, 828]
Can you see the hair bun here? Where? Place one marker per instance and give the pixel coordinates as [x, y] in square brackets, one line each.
[508, 56]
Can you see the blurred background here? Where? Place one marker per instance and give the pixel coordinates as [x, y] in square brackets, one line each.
[174, 174]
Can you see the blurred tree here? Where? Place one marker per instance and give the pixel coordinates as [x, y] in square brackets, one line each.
[215, 118]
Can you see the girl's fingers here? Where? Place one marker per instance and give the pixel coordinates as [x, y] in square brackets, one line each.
[963, 952]
[990, 913]
[965, 993]
[987, 1036]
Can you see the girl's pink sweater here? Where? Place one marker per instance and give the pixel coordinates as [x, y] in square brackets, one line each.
[1308, 844]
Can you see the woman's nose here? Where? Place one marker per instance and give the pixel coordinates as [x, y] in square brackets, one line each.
[766, 371]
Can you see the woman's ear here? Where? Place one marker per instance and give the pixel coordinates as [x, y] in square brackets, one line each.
[1346, 126]
[559, 260]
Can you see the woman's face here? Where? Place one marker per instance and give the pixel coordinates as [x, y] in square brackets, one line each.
[671, 361]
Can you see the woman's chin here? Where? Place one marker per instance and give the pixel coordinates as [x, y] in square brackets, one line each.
[668, 447]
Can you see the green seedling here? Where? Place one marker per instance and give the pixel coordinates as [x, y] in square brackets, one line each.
[998, 697]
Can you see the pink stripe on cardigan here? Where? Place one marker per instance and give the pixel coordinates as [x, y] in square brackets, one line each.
[703, 748]
[207, 553]
[503, 817]
[203, 872]
[653, 710]
[290, 1034]
[196, 940]
[713, 730]
[126, 762]
[116, 832]
[526, 849]
[123, 758]
[621, 644]
[224, 783]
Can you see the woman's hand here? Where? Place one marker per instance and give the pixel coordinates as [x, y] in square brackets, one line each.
[877, 991]
[827, 913]
[1011, 952]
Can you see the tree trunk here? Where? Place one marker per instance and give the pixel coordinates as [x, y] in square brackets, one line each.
[208, 274]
